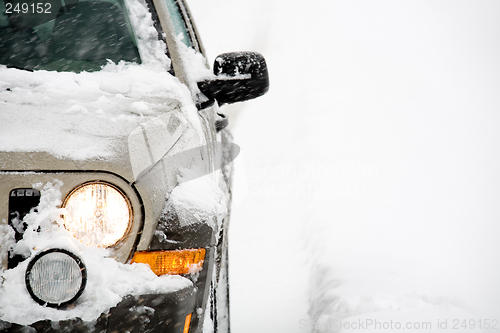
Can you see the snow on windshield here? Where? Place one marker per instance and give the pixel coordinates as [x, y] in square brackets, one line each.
[80, 116]
[84, 115]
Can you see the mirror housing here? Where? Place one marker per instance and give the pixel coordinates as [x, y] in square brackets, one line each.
[240, 76]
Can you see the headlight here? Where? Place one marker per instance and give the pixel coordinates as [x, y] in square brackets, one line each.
[97, 214]
[55, 277]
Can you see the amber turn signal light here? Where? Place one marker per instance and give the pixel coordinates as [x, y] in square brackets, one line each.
[187, 323]
[172, 262]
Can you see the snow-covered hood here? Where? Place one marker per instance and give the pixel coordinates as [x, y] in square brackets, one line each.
[121, 119]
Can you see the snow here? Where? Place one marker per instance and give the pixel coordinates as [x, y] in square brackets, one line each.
[196, 66]
[371, 165]
[106, 105]
[151, 49]
[105, 287]
[197, 200]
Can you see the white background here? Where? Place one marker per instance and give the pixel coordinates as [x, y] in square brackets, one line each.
[369, 182]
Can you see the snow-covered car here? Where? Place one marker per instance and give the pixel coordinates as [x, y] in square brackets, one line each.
[115, 167]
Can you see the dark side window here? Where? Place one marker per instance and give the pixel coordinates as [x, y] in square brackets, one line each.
[182, 23]
[178, 22]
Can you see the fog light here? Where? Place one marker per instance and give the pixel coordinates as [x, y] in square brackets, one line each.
[56, 278]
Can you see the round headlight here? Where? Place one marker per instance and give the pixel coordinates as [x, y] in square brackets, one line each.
[97, 214]
[55, 278]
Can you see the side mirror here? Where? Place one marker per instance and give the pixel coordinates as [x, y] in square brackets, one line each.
[240, 76]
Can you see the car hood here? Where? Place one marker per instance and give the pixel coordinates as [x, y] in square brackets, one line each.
[122, 119]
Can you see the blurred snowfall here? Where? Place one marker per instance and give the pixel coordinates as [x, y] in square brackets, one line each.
[369, 182]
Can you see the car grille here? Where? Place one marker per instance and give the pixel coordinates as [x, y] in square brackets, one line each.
[21, 202]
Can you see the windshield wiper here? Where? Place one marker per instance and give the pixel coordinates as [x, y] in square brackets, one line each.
[19, 67]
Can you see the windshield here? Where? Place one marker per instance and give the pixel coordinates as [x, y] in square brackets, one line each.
[65, 35]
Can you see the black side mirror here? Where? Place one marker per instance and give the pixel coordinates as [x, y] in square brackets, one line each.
[240, 76]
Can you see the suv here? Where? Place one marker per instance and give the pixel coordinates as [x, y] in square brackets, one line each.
[115, 167]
